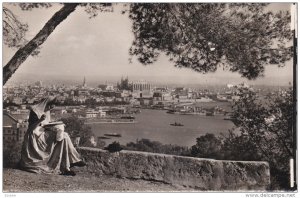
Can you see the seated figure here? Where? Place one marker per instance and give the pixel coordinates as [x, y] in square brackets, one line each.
[47, 148]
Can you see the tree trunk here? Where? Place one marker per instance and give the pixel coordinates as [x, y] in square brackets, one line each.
[22, 54]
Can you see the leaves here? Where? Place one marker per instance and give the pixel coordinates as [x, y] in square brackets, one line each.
[208, 146]
[93, 9]
[242, 35]
[30, 6]
[14, 31]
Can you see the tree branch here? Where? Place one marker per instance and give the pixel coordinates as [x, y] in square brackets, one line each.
[22, 54]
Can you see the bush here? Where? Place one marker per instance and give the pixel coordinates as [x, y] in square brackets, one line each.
[207, 146]
[114, 147]
[147, 145]
[11, 155]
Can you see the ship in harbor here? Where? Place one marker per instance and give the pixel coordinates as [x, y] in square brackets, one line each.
[113, 120]
[187, 112]
[194, 110]
[104, 137]
[176, 124]
[113, 134]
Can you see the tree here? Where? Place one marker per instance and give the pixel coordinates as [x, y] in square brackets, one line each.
[266, 131]
[204, 36]
[200, 36]
[239, 147]
[207, 146]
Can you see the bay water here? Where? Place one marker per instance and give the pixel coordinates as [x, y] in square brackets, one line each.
[155, 125]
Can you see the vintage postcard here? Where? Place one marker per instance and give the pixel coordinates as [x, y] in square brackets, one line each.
[149, 97]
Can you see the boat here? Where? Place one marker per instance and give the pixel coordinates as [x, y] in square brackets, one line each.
[176, 124]
[128, 117]
[113, 134]
[209, 113]
[171, 111]
[192, 113]
[111, 121]
[103, 137]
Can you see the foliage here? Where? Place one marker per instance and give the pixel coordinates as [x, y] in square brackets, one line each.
[30, 6]
[201, 36]
[75, 127]
[14, 31]
[93, 9]
[157, 147]
[204, 36]
[266, 132]
[207, 146]
[11, 154]
[114, 147]
[239, 147]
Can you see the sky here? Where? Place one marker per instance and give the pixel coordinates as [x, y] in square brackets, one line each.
[98, 49]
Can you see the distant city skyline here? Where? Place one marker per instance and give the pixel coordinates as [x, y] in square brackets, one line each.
[95, 81]
[98, 49]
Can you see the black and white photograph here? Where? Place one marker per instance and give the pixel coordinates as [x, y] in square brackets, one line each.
[142, 97]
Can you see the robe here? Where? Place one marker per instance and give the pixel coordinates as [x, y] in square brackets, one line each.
[41, 152]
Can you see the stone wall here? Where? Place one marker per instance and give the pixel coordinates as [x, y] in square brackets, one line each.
[198, 173]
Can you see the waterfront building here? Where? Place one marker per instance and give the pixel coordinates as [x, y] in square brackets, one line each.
[167, 96]
[146, 101]
[102, 114]
[157, 96]
[161, 94]
[91, 114]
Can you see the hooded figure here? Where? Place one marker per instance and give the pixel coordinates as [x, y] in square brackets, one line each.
[47, 149]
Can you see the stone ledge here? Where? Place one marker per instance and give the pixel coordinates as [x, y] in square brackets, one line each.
[199, 173]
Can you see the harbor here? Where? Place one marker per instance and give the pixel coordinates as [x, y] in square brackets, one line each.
[156, 125]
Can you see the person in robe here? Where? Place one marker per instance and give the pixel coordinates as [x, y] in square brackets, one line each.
[47, 148]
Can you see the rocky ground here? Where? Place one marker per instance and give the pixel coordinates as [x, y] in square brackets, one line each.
[15, 180]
